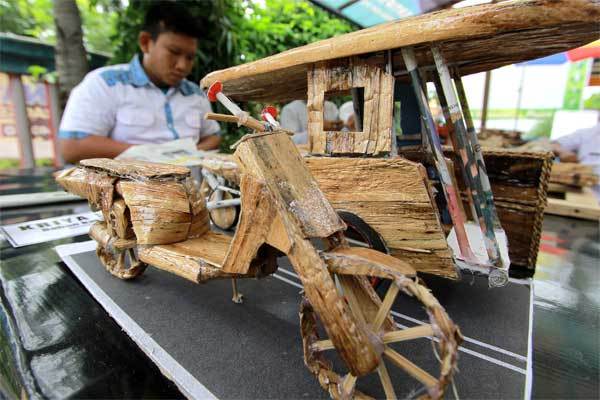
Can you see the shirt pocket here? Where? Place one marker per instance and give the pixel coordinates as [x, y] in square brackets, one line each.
[134, 126]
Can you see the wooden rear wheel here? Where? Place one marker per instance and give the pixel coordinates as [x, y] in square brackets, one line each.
[225, 217]
[123, 264]
[396, 373]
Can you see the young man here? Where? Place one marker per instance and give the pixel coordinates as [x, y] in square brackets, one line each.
[146, 101]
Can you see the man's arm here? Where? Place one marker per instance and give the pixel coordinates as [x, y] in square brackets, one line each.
[92, 146]
[209, 142]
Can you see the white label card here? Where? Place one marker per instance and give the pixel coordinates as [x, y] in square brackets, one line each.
[46, 230]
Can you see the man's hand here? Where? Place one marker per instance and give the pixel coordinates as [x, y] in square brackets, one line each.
[209, 142]
[563, 154]
[92, 146]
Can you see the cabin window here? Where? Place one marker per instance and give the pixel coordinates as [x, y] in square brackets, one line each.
[343, 110]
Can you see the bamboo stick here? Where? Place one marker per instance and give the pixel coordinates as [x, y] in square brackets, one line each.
[450, 192]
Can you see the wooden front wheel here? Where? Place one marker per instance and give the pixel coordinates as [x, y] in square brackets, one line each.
[389, 338]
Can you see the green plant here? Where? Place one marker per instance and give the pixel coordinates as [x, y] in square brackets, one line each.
[592, 102]
[541, 129]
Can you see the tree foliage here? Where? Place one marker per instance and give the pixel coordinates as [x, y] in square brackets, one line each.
[279, 25]
[35, 18]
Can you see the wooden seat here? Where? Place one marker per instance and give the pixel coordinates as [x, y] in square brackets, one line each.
[197, 259]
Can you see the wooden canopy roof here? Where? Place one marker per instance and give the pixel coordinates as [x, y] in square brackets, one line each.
[474, 39]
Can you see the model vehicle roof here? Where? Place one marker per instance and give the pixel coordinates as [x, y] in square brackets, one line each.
[474, 39]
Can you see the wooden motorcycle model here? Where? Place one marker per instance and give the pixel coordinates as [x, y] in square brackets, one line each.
[153, 214]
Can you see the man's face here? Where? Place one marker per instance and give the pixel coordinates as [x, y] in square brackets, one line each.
[169, 58]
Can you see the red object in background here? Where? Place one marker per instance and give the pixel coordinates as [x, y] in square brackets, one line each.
[443, 132]
[591, 50]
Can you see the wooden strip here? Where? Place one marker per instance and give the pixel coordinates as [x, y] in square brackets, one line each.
[257, 214]
[194, 259]
[386, 382]
[388, 301]
[368, 262]
[250, 122]
[348, 384]
[415, 332]
[413, 370]
[349, 288]
[388, 337]
[567, 208]
[317, 138]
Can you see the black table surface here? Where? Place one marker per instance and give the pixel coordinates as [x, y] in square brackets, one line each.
[55, 340]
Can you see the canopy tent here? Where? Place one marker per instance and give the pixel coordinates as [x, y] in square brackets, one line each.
[365, 13]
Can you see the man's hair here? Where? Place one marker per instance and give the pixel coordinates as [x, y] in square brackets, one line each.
[170, 16]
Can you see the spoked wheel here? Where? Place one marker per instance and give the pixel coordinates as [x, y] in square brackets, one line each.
[377, 321]
[123, 264]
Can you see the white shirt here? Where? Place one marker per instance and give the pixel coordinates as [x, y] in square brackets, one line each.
[346, 111]
[122, 103]
[294, 117]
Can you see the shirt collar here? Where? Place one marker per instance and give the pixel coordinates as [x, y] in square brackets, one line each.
[139, 78]
[138, 75]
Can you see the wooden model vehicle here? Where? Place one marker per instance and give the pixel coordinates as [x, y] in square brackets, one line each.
[387, 188]
[154, 215]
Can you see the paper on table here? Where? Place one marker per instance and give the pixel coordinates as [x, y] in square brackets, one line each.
[45, 230]
[178, 152]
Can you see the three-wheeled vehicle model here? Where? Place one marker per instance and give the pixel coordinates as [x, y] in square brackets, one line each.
[155, 214]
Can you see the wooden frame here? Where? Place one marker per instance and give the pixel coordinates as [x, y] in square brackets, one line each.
[344, 75]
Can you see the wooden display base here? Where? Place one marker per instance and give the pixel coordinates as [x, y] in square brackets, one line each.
[576, 203]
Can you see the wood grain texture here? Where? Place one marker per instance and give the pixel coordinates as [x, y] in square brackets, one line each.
[96, 187]
[121, 220]
[197, 260]
[275, 160]
[367, 262]
[137, 169]
[392, 196]
[477, 38]
[257, 214]
[160, 211]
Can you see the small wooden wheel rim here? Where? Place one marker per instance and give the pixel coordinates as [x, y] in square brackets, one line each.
[447, 338]
[116, 262]
[225, 217]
